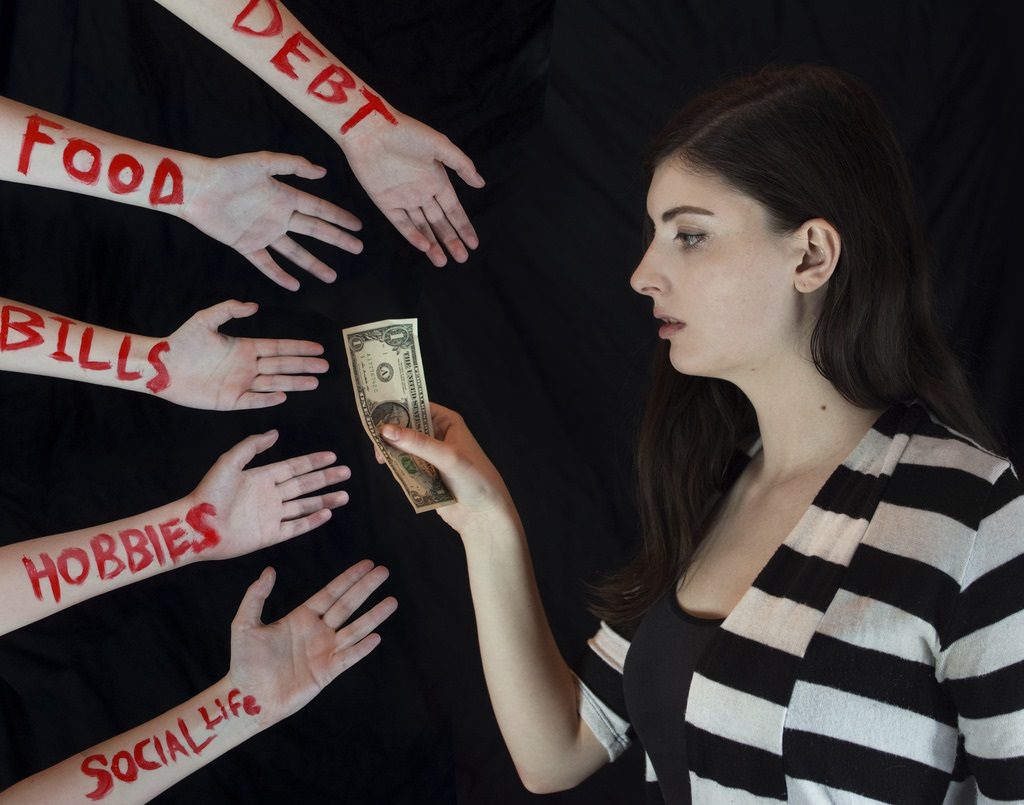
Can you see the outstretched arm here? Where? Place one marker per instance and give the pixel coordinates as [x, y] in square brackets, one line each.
[532, 690]
[235, 200]
[233, 511]
[196, 366]
[399, 161]
[276, 669]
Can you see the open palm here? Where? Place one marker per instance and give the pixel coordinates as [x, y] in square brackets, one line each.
[239, 203]
[219, 372]
[286, 663]
[402, 169]
[258, 507]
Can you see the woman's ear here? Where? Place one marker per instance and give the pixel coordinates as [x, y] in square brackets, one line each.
[820, 246]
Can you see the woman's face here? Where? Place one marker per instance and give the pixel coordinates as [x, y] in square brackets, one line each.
[721, 281]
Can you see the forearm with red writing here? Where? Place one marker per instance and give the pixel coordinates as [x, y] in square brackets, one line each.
[47, 574]
[44, 149]
[137, 765]
[39, 342]
[266, 37]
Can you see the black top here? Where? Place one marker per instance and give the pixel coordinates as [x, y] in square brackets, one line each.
[656, 678]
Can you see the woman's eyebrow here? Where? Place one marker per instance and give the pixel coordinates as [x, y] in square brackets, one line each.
[668, 215]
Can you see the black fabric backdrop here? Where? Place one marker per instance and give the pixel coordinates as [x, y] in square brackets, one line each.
[537, 340]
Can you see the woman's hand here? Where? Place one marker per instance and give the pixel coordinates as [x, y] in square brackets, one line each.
[466, 470]
[241, 204]
[402, 168]
[285, 664]
[261, 506]
[223, 373]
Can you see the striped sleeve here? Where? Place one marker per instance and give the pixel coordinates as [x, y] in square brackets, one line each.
[602, 702]
[981, 659]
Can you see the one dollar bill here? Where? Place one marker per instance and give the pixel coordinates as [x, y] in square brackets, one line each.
[387, 380]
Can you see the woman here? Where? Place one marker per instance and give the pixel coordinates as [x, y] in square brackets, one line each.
[827, 599]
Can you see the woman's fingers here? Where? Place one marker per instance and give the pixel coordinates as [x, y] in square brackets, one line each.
[304, 259]
[250, 611]
[418, 444]
[283, 471]
[434, 252]
[352, 598]
[453, 211]
[286, 347]
[265, 263]
[443, 230]
[296, 528]
[293, 510]
[291, 364]
[251, 400]
[264, 383]
[321, 230]
[403, 223]
[366, 623]
[300, 485]
[247, 449]
[308, 204]
[325, 598]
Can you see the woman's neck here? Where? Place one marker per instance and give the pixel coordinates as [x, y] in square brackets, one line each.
[805, 423]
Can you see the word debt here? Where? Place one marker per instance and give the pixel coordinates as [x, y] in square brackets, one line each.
[157, 751]
[263, 18]
[24, 328]
[83, 162]
[132, 549]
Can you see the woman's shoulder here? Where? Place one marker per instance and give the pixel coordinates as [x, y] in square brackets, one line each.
[949, 453]
[947, 496]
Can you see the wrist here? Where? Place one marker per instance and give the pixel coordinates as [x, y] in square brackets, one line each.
[196, 171]
[197, 536]
[367, 125]
[239, 706]
[498, 524]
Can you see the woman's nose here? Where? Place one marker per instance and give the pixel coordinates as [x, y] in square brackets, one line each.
[645, 279]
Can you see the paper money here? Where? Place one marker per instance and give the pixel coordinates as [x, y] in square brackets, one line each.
[387, 379]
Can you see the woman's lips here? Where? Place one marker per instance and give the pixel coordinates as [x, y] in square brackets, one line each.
[670, 329]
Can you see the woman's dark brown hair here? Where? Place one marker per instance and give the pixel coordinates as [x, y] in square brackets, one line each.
[806, 142]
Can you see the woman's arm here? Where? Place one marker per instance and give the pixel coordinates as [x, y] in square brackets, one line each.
[233, 511]
[275, 670]
[196, 366]
[234, 199]
[981, 659]
[399, 161]
[532, 690]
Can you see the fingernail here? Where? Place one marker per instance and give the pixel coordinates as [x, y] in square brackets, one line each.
[389, 432]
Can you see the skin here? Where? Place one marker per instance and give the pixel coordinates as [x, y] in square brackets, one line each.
[235, 199]
[255, 507]
[206, 368]
[280, 666]
[748, 297]
[402, 166]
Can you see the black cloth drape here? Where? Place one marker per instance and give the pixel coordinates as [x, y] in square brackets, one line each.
[537, 341]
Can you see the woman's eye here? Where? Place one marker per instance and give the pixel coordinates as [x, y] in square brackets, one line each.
[691, 240]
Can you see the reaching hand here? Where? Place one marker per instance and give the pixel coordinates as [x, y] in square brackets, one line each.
[285, 664]
[223, 373]
[465, 468]
[261, 506]
[402, 169]
[239, 203]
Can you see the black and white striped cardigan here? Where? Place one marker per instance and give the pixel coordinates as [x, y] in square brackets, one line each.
[879, 655]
